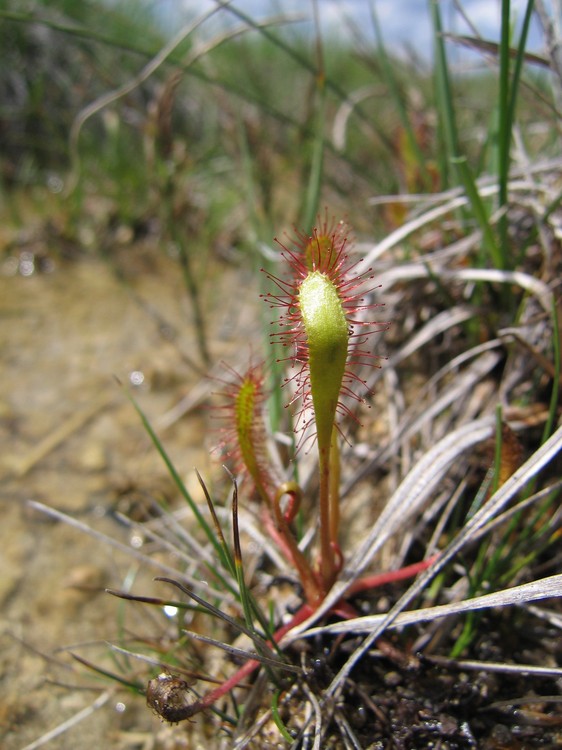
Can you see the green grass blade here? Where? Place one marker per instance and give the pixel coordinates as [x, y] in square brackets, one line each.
[110, 675]
[507, 96]
[397, 96]
[238, 564]
[154, 601]
[479, 211]
[445, 107]
[312, 198]
[249, 604]
[275, 715]
[79, 31]
[504, 129]
[260, 644]
[208, 531]
[519, 60]
[218, 530]
[497, 450]
[554, 396]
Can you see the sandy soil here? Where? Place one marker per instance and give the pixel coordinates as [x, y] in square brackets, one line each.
[71, 440]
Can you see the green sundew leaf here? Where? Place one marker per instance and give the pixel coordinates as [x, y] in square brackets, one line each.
[327, 339]
[245, 415]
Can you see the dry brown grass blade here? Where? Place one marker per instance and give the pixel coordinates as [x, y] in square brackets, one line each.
[516, 483]
[544, 588]
[493, 48]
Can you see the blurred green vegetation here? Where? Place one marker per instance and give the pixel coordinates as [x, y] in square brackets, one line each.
[226, 128]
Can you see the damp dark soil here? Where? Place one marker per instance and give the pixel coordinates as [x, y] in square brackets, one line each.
[400, 699]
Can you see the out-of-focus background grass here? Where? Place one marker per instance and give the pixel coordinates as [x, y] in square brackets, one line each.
[221, 135]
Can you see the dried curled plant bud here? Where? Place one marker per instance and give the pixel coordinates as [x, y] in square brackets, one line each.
[170, 697]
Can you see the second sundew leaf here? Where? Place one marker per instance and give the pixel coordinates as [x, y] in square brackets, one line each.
[327, 337]
[245, 416]
[245, 433]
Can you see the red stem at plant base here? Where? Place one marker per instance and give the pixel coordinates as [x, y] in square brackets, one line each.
[342, 608]
[212, 696]
[380, 579]
[274, 534]
[313, 590]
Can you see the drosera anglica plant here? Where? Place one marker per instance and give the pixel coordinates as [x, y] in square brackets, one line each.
[325, 592]
[244, 435]
[326, 322]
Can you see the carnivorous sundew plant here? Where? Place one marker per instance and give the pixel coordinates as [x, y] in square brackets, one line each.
[324, 329]
[325, 324]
